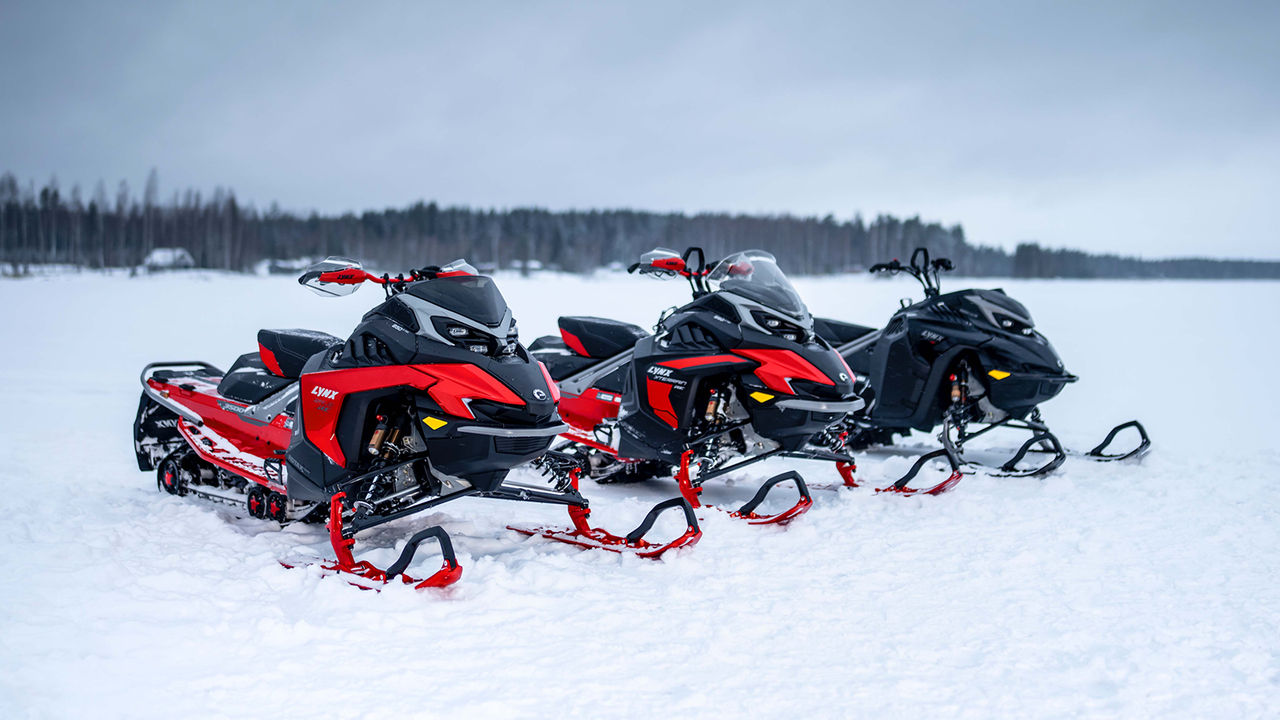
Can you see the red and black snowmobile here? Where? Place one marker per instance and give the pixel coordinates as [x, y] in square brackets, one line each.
[734, 377]
[432, 398]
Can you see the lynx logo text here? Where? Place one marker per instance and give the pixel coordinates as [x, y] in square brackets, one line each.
[325, 393]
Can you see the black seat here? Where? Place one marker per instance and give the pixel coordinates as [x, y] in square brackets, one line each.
[838, 333]
[599, 338]
[284, 352]
[248, 381]
[561, 362]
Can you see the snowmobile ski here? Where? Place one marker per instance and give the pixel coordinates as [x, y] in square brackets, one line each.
[900, 486]
[633, 543]
[364, 574]
[690, 492]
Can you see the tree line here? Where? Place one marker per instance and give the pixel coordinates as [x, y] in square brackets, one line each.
[44, 225]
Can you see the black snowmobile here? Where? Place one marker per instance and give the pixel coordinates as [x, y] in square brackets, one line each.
[970, 361]
[432, 398]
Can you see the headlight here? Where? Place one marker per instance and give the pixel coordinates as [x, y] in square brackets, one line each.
[466, 337]
[1012, 324]
[782, 328]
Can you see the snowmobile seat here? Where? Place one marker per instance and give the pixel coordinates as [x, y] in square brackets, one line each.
[249, 381]
[284, 352]
[561, 362]
[598, 338]
[838, 333]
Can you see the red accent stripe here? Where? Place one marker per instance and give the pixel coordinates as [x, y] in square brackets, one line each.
[779, 367]
[574, 343]
[702, 360]
[551, 384]
[660, 400]
[269, 359]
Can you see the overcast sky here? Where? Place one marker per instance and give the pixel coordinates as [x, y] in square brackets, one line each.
[1141, 128]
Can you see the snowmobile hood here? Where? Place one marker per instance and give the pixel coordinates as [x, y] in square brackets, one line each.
[996, 308]
[472, 296]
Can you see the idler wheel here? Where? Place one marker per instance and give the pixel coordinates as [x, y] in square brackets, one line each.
[256, 500]
[169, 477]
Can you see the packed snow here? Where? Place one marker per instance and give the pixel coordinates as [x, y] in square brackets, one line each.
[1105, 590]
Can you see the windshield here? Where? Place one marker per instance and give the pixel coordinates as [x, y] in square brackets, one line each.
[472, 296]
[755, 275]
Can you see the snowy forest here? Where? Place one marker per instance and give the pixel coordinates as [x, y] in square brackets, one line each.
[44, 225]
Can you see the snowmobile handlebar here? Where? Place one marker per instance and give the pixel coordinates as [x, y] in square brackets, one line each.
[336, 277]
[921, 267]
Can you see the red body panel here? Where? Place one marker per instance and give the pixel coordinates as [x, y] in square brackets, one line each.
[233, 443]
[779, 367]
[589, 409]
[450, 385]
[659, 394]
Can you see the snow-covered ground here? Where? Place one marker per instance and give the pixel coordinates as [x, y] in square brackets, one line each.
[1106, 590]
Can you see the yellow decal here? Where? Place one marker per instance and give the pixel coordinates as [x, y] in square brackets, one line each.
[434, 423]
[761, 397]
[998, 374]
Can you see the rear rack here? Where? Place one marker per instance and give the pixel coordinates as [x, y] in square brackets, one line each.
[166, 402]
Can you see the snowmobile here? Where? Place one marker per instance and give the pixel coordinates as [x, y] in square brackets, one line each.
[732, 378]
[970, 361]
[432, 398]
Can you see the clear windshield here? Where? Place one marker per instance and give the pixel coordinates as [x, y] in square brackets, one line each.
[755, 275]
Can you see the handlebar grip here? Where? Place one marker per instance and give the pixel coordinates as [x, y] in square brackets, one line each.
[633, 268]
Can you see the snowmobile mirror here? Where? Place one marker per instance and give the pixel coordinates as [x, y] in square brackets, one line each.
[333, 277]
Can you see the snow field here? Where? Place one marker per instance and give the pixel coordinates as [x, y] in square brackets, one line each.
[1106, 590]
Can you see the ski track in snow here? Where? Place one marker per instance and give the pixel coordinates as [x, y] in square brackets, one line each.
[1106, 590]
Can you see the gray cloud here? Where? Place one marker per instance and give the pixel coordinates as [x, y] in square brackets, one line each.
[1146, 128]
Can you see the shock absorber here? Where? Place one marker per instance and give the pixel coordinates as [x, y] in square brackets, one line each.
[375, 440]
[713, 406]
[372, 492]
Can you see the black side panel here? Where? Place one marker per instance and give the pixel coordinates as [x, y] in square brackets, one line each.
[248, 381]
